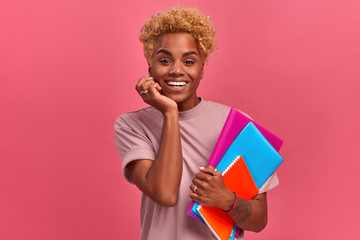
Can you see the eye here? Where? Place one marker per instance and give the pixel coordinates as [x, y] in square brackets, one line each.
[165, 61]
[189, 62]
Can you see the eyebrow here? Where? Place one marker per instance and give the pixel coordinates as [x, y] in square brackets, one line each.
[170, 54]
[190, 53]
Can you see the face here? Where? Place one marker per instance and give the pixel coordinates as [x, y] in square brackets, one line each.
[177, 66]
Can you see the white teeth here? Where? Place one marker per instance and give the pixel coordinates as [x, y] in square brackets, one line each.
[180, 84]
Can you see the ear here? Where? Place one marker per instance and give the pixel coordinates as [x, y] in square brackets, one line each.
[202, 72]
[149, 71]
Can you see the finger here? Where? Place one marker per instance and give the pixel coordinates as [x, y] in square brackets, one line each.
[210, 170]
[158, 87]
[149, 92]
[148, 87]
[194, 197]
[141, 82]
[154, 88]
[194, 188]
[198, 183]
[206, 177]
[145, 86]
[216, 172]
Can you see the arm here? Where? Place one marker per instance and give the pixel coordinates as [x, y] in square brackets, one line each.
[247, 214]
[250, 214]
[160, 179]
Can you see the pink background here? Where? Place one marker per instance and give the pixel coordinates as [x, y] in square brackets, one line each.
[68, 69]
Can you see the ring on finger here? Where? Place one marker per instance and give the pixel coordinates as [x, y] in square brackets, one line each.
[214, 171]
[195, 189]
[144, 92]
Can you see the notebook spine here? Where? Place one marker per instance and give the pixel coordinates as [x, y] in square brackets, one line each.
[227, 169]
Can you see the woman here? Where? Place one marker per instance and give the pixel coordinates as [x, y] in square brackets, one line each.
[163, 146]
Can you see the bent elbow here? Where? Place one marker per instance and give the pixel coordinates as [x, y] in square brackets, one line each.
[166, 200]
[168, 203]
[261, 227]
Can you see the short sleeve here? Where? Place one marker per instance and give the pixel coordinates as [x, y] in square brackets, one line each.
[272, 182]
[131, 144]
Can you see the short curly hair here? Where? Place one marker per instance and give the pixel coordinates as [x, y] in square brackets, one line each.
[178, 19]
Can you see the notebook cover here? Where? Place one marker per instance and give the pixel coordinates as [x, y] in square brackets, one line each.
[234, 124]
[237, 178]
[259, 155]
[219, 227]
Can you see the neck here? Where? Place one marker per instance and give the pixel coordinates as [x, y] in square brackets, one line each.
[185, 106]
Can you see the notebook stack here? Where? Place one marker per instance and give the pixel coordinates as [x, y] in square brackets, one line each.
[247, 155]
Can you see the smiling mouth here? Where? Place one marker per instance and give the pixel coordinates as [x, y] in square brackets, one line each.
[176, 84]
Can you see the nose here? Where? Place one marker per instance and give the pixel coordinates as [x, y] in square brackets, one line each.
[177, 68]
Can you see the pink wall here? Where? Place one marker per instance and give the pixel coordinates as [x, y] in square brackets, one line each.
[68, 68]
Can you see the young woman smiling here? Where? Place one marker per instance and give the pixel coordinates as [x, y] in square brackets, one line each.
[163, 146]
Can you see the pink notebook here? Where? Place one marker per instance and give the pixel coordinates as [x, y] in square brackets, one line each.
[234, 124]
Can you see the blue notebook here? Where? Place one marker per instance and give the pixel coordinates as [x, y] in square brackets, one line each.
[259, 155]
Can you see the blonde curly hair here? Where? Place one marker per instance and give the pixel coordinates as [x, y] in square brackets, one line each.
[178, 19]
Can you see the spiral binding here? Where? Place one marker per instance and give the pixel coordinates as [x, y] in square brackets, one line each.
[230, 165]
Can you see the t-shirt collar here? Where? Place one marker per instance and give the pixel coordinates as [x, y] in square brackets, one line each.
[192, 113]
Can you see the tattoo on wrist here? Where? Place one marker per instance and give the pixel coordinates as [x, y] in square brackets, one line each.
[241, 211]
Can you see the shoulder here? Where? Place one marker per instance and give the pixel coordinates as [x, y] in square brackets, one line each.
[216, 105]
[134, 118]
[134, 114]
[219, 107]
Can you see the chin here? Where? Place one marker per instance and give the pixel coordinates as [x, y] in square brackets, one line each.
[178, 99]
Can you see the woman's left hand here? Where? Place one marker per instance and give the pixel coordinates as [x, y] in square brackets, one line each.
[208, 189]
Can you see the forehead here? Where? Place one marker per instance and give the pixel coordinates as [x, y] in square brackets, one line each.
[176, 42]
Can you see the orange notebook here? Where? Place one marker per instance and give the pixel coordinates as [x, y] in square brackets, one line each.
[237, 178]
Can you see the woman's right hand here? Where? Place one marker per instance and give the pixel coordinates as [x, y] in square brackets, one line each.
[150, 92]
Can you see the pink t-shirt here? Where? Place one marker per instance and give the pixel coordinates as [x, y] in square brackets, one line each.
[137, 136]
